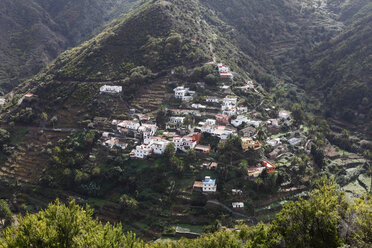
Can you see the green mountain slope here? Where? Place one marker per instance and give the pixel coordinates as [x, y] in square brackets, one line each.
[142, 48]
[339, 72]
[35, 32]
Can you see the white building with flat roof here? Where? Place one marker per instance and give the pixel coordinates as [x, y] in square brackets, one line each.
[142, 151]
[210, 121]
[176, 119]
[209, 185]
[185, 94]
[111, 89]
[237, 205]
[159, 146]
[132, 125]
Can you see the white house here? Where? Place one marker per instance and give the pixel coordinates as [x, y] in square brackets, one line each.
[229, 112]
[176, 119]
[212, 99]
[111, 89]
[185, 94]
[198, 106]
[150, 140]
[224, 71]
[294, 141]
[158, 147]
[184, 143]
[148, 130]
[223, 132]
[115, 142]
[248, 86]
[223, 68]
[236, 191]
[141, 151]
[132, 125]
[273, 123]
[105, 134]
[208, 128]
[274, 142]
[254, 123]
[241, 110]
[210, 122]
[229, 106]
[237, 205]
[224, 87]
[240, 119]
[209, 185]
[229, 101]
[283, 114]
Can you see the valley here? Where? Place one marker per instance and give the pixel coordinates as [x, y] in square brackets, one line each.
[182, 117]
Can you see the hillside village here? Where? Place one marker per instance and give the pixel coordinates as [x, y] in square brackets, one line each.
[220, 117]
[229, 147]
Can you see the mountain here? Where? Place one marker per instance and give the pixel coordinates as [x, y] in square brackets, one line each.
[142, 49]
[54, 144]
[338, 70]
[36, 31]
[162, 35]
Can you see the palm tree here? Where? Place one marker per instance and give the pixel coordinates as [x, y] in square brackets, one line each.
[54, 120]
[369, 172]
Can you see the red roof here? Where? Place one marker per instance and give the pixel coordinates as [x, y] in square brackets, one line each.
[30, 95]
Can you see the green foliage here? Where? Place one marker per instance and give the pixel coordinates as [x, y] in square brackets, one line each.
[128, 203]
[39, 30]
[325, 219]
[65, 226]
[25, 115]
[314, 222]
[4, 136]
[339, 70]
[6, 216]
[161, 117]
[318, 155]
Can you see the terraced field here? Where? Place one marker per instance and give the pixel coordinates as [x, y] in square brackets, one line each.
[28, 161]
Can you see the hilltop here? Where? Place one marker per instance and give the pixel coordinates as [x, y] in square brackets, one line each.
[35, 32]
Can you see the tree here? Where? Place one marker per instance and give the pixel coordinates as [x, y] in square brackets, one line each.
[170, 150]
[128, 203]
[261, 135]
[54, 120]
[44, 118]
[177, 164]
[4, 136]
[188, 121]
[243, 167]
[298, 113]
[313, 222]
[191, 156]
[161, 117]
[318, 155]
[63, 226]
[6, 216]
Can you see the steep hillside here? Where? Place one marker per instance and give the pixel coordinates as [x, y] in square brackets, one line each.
[64, 139]
[339, 72]
[35, 32]
[145, 46]
[276, 32]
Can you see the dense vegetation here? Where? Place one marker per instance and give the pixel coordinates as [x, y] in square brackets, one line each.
[339, 71]
[325, 219]
[36, 31]
[288, 49]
